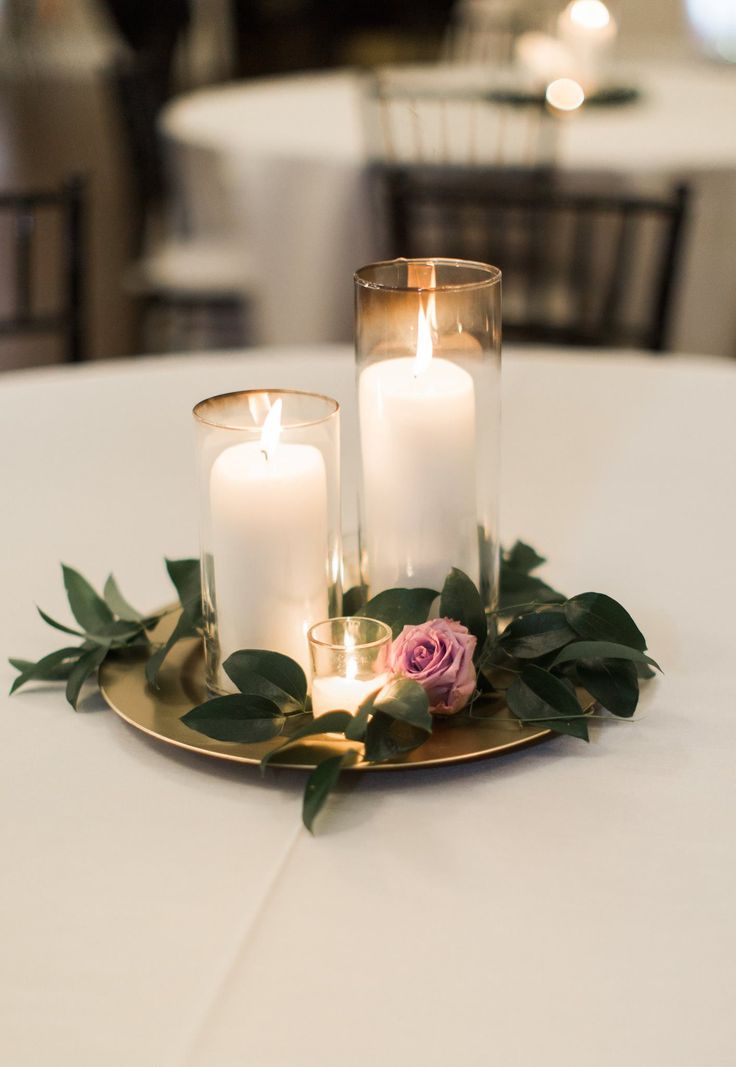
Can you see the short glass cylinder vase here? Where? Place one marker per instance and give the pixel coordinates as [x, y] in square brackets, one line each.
[428, 350]
[349, 660]
[269, 496]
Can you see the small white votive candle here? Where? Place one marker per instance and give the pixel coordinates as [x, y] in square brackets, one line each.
[269, 522]
[349, 659]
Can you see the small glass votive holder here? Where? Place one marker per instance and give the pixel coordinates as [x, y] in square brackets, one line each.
[349, 659]
[269, 488]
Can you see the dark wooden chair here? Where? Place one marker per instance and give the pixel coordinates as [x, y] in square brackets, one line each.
[26, 311]
[584, 261]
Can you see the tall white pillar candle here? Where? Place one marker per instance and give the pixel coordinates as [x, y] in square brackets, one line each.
[417, 425]
[588, 30]
[269, 547]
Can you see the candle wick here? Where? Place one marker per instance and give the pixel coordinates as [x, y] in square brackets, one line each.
[264, 453]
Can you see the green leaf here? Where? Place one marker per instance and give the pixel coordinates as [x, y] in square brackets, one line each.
[85, 666]
[597, 617]
[58, 625]
[320, 784]
[643, 671]
[400, 720]
[21, 664]
[522, 557]
[355, 730]
[240, 718]
[257, 685]
[185, 574]
[116, 634]
[56, 667]
[462, 602]
[186, 627]
[386, 737]
[600, 650]
[400, 607]
[88, 608]
[535, 634]
[613, 682]
[525, 589]
[405, 699]
[285, 676]
[332, 722]
[539, 697]
[118, 604]
[354, 600]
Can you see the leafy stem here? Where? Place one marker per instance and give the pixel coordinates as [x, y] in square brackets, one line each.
[107, 624]
[552, 647]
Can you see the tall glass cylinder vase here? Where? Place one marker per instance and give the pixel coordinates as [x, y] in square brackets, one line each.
[428, 348]
[269, 487]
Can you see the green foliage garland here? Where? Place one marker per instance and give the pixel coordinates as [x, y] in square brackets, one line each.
[550, 646]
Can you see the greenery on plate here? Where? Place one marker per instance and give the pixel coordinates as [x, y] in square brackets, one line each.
[109, 623]
[551, 647]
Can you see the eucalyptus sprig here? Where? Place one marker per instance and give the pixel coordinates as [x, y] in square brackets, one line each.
[550, 647]
[108, 623]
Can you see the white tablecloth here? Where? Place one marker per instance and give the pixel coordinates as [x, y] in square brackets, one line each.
[568, 905]
[277, 167]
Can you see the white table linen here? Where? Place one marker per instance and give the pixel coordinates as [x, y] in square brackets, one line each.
[568, 905]
[287, 157]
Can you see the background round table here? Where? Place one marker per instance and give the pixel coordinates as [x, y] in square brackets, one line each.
[569, 905]
[276, 169]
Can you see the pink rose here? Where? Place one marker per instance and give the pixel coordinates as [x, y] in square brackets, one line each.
[439, 655]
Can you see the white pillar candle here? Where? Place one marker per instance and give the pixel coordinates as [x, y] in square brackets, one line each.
[269, 544]
[541, 59]
[417, 425]
[337, 693]
[587, 28]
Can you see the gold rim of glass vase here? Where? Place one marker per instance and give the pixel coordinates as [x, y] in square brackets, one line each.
[457, 739]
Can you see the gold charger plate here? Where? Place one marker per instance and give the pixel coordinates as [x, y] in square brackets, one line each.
[182, 685]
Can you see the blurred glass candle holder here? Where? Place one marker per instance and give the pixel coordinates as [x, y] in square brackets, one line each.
[269, 488]
[349, 659]
[428, 350]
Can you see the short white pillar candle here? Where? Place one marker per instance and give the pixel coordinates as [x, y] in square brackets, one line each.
[268, 505]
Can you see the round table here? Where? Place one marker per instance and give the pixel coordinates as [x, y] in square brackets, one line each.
[569, 905]
[276, 168]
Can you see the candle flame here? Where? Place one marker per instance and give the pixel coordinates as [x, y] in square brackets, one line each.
[424, 344]
[590, 14]
[426, 325]
[259, 405]
[271, 429]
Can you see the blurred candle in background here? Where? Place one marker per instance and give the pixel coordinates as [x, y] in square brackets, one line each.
[541, 59]
[564, 94]
[588, 30]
